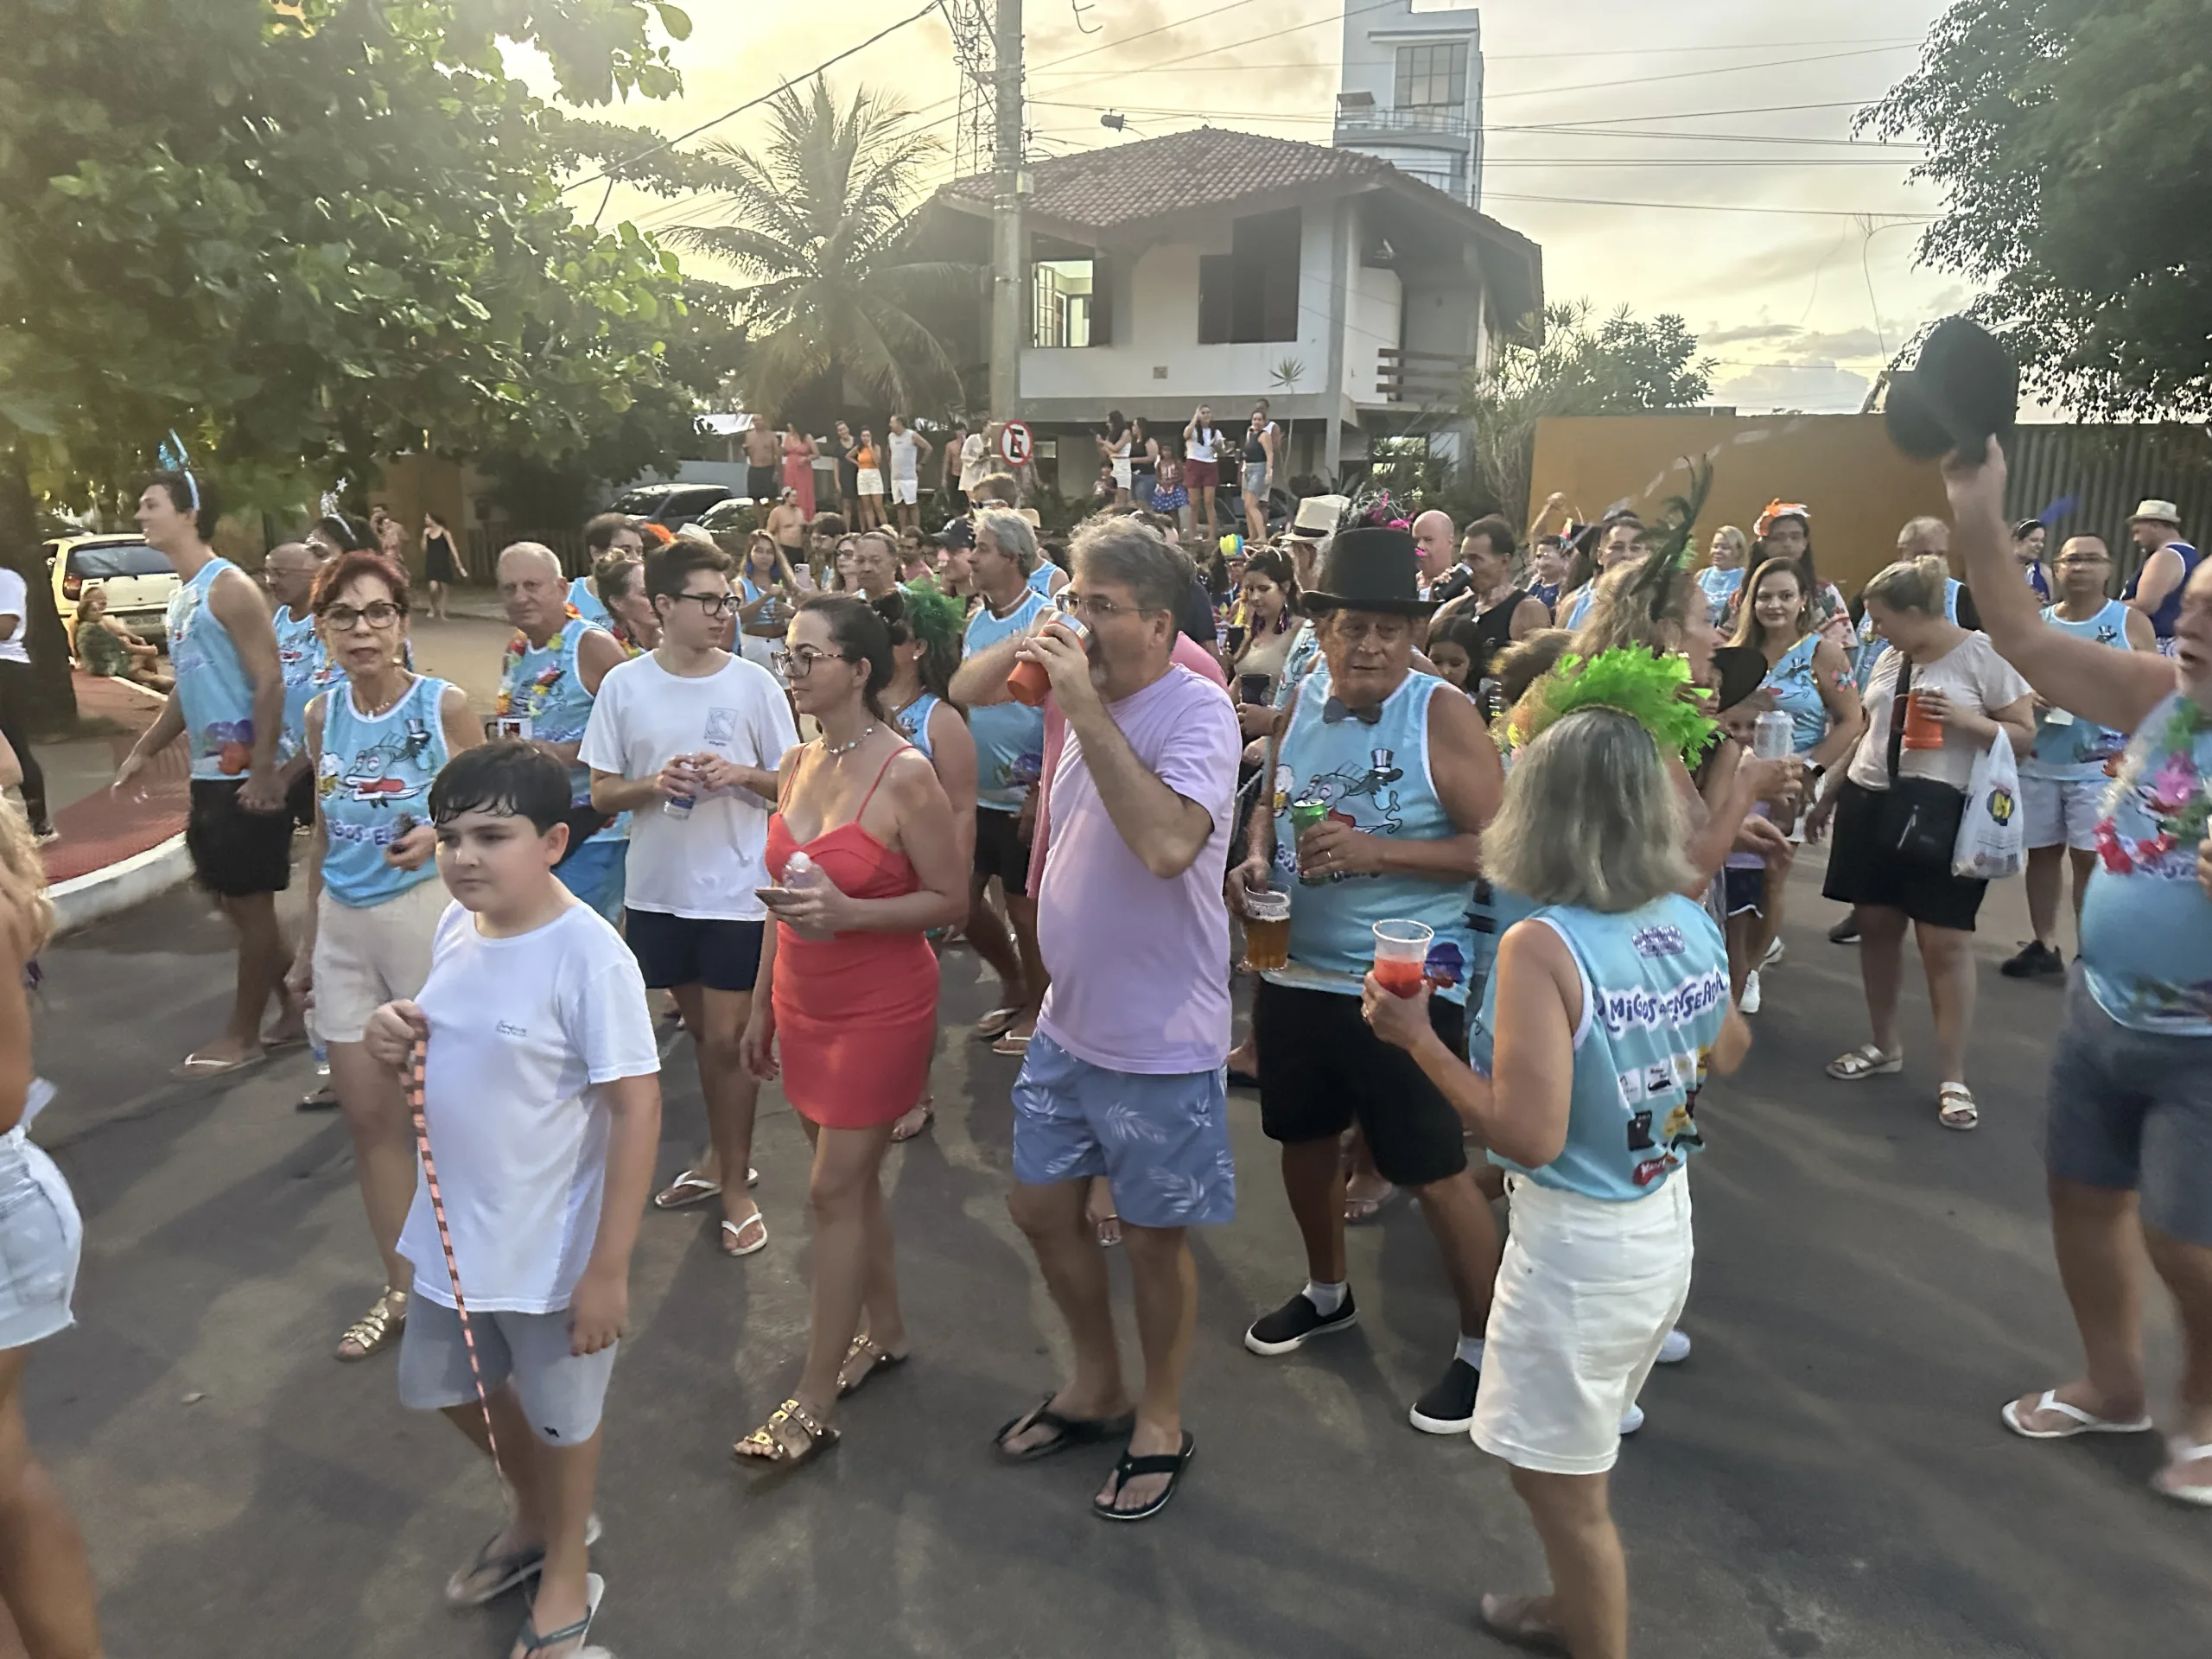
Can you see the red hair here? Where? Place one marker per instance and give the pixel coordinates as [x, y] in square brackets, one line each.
[339, 573]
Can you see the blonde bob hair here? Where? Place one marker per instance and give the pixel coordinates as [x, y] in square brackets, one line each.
[23, 879]
[1619, 618]
[1910, 585]
[1591, 819]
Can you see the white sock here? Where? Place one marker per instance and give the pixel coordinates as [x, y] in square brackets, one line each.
[1326, 1299]
[1470, 1350]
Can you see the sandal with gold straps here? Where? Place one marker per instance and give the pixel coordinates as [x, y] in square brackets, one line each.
[377, 1329]
[873, 1358]
[765, 1444]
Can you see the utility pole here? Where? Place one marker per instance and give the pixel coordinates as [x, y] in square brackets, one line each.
[1009, 244]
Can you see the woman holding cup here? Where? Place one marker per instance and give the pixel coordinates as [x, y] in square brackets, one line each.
[1597, 1267]
[1936, 703]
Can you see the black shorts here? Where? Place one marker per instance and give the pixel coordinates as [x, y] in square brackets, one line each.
[1861, 872]
[299, 799]
[722, 956]
[237, 854]
[1001, 851]
[1322, 1069]
[764, 483]
[1745, 890]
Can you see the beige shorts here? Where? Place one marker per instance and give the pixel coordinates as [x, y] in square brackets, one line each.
[365, 958]
[1587, 1292]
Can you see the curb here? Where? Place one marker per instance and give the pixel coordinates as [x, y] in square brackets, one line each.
[99, 895]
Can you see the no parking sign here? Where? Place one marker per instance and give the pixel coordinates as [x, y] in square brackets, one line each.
[1016, 445]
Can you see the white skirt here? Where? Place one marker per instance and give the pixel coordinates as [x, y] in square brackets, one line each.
[871, 481]
[1587, 1292]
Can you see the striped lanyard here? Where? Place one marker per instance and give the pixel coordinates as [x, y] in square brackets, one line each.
[417, 1065]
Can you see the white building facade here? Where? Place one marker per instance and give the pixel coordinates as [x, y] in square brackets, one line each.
[1412, 93]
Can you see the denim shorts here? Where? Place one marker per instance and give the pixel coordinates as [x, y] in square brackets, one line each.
[40, 1239]
[597, 874]
[2132, 1110]
[561, 1394]
[1161, 1141]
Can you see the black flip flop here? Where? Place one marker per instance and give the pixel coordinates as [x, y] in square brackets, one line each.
[1127, 1469]
[1066, 1432]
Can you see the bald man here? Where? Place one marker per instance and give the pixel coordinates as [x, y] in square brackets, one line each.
[550, 675]
[1437, 542]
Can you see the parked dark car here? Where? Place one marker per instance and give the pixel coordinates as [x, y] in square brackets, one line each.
[672, 505]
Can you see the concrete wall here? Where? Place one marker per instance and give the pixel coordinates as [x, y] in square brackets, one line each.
[1156, 354]
[1372, 35]
[1843, 466]
[1372, 320]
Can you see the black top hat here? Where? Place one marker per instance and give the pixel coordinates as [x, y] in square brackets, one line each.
[1373, 568]
[1743, 670]
[1963, 391]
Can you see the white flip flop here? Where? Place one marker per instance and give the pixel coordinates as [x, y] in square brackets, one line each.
[736, 1230]
[2178, 1451]
[2082, 1422]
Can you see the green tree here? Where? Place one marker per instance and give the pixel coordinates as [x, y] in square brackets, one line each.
[2067, 137]
[1568, 364]
[817, 225]
[306, 236]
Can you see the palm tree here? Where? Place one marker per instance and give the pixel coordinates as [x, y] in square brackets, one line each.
[816, 222]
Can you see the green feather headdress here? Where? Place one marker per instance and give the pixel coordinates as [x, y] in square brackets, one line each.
[1648, 689]
[936, 616]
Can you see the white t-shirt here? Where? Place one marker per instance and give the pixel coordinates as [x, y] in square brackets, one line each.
[522, 1032]
[973, 468]
[1202, 447]
[705, 864]
[1971, 673]
[15, 600]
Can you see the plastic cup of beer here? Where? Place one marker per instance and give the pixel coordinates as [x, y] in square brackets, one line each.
[1267, 929]
[1922, 730]
[1402, 956]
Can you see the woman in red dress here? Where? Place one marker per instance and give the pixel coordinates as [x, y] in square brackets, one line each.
[866, 859]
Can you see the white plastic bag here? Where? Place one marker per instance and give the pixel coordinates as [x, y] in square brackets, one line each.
[1989, 848]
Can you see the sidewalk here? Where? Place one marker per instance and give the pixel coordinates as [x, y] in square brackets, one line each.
[116, 850]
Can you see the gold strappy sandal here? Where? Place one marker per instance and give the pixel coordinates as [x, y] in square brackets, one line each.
[765, 1444]
[377, 1329]
[873, 1358]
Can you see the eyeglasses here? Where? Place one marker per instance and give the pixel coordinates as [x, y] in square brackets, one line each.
[713, 604]
[378, 614]
[1095, 609]
[797, 664]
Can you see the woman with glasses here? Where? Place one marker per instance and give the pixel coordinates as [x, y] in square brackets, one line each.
[883, 865]
[925, 627]
[375, 742]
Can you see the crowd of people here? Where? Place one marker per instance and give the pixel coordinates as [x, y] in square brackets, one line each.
[1504, 821]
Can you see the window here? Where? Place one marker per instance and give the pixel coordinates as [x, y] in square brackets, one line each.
[1060, 302]
[1432, 77]
[117, 559]
[1250, 293]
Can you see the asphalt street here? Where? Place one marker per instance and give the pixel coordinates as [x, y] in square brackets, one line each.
[1826, 1475]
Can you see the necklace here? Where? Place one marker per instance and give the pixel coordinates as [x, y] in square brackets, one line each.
[847, 747]
[388, 704]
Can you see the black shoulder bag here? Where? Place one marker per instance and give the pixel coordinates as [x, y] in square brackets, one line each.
[1920, 817]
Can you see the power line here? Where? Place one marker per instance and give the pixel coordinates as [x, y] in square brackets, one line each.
[1889, 41]
[754, 103]
[1687, 75]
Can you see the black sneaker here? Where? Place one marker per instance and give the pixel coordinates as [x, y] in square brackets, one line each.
[1449, 1407]
[2037, 961]
[1845, 932]
[1288, 1328]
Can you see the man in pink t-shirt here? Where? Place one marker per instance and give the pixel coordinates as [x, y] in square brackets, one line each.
[1124, 1077]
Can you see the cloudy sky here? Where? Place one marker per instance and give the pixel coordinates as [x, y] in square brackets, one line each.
[1694, 157]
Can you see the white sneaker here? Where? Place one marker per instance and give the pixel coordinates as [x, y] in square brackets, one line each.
[1676, 1348]
[1773, 953]
[1750, 1002]
[1631, 1420]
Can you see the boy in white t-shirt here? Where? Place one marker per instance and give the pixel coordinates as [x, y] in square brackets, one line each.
[541, 1098]
[688, 739]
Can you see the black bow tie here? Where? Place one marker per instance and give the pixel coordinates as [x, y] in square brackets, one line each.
[1334, 713]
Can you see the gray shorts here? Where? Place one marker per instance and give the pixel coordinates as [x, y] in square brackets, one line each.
[561, 1393]
[2133, 1110]
[1161, 1141]
[1255, 479]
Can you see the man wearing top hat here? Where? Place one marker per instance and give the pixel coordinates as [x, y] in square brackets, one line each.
[2168, 562]
[1409, 779]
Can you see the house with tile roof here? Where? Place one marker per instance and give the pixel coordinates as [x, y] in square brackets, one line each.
[1219, 267]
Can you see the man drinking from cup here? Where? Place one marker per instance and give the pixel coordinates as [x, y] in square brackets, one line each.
[1382, 779]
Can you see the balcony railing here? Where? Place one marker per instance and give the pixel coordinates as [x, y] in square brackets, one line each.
[1423, 377]
[1442, 123]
